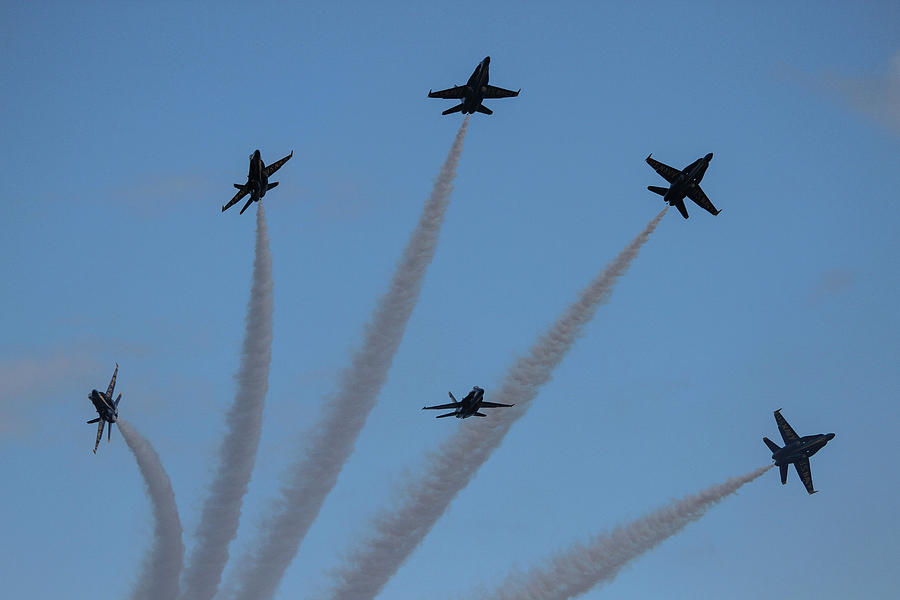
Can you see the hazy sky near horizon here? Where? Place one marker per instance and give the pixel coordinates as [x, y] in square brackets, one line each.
[124, 127]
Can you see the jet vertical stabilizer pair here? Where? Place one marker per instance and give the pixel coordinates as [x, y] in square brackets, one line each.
[469, 407]
[106, 408]
[683, 183]
[257, 180]
[796, 450]
[474, 92]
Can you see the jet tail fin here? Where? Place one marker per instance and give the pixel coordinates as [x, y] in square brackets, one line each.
[484, 109]
[453, 398]
[657, 190]
[456, 108]
[238, 186]
[271, 185]
[772, 445]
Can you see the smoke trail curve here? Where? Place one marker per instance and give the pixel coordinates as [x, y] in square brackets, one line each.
[420, 503]
[311, 478]
[573, 572]
[222, 510]
[162, 567]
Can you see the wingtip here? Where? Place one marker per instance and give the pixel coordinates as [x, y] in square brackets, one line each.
[778, 411]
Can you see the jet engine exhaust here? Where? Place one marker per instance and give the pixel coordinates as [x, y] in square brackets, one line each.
[399, 530]
[237, 454]
[584, 566]
[162, 566]
[329, 443]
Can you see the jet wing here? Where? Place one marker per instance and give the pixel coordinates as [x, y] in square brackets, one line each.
[99, 434]
[241, 193]
[457, 92]
[699, 197]
[498, 92]
[668, 173]
[805, 474]
[441, 407]
[787, 432]
[277, 165]
[112, 383]
[494, 405]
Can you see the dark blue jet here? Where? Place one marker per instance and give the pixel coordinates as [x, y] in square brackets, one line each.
[683, 183]
[470, 405]
[257, 180]
[474, 92]
[796, 450]
[106, 408]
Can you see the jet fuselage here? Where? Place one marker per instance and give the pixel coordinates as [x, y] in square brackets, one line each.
[470, 404]
[475, 87]
[105, 406]
[802, 448]
[689, 179]
[257, 178]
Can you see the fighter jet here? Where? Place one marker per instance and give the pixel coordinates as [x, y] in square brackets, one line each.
[685, 182]
[470, 405]
[796, 450]
[472, 94]
[257, 180]
[106, 408]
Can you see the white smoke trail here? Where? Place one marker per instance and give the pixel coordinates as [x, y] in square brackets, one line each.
[420, 503]
[312, 477]
[573, 572]
[237, 454]
[162, 567]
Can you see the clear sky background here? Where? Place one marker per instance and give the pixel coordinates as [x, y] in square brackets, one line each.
[124, 126]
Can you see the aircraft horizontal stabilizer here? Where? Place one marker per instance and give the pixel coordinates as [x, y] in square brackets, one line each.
[92, 421]
[484, 109]
[449, 414]
[238, 186]
[772, 445]
[456, 108]
[478, 414]
[246, 206]
[271, 185]
[657, 190]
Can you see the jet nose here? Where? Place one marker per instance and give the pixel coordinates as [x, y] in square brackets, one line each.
[709, 157]
[829, 437]
[487, 60]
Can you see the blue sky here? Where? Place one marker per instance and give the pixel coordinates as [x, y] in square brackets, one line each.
[125, 126]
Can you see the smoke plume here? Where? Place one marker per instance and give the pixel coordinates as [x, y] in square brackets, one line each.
[573, 572]
[237, 454]
[162, 567]
[420, 503]
[331, 442]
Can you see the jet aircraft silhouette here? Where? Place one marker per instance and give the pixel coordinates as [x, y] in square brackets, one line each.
[106, 408]
[474, 92]
[683, 183]
[470, 405]
[257, 180]
[796, 450]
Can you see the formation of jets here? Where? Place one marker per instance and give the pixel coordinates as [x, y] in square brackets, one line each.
[469, 407]
[106, 408]
[683, 183]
